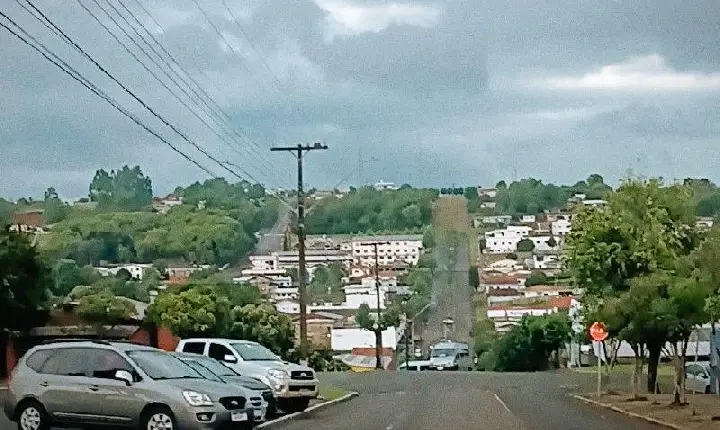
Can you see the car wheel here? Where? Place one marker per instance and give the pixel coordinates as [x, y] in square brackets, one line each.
[32, 416]
[291, 406]
[158, 418]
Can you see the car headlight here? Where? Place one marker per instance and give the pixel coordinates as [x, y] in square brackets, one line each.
[278, 374]
[197, 399]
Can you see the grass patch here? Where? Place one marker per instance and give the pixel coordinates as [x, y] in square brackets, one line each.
[330, 393]
[664, 369]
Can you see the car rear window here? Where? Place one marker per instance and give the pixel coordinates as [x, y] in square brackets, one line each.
[194, 347]
[37, 359]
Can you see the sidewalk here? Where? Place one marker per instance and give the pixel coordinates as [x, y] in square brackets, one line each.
[697, 414]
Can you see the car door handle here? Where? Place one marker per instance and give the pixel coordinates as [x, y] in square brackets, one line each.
[44, 384]
[93, 388]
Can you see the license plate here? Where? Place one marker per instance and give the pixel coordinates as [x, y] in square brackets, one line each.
[238, 416]
[258, 413]
[440, 368]
[306, 391]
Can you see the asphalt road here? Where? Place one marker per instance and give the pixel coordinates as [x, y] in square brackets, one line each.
[461, 400]
[458, 400]
[272, 239]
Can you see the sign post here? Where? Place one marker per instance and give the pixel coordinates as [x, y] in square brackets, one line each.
[598, 332]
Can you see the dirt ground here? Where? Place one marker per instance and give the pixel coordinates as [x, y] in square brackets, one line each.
[696, 414]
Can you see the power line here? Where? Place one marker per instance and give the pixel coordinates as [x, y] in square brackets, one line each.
[70, 41]
[204, 97]
[252, 45]
[154, 75]
[70, 71]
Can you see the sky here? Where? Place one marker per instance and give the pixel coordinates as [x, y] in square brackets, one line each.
[431, 93]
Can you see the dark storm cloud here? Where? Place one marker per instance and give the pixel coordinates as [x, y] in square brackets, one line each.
[425, 92]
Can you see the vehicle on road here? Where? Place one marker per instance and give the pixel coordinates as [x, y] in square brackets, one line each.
[416, 365]
[88, 383]
[449, 355]
[259, 395]
[698, 377]
[293, 385]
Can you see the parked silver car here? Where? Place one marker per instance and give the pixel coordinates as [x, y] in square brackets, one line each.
[259, 394]
[88, 383]
[293, 385]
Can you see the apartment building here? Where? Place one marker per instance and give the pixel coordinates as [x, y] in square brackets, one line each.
[506, 240]
[391, 249]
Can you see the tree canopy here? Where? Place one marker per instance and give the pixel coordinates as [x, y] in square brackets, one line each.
[125, 189]
[24, 282]
[369, 210]
[635, 261]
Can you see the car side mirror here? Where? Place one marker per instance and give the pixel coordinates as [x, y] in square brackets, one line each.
[229, 358]
[125, 376]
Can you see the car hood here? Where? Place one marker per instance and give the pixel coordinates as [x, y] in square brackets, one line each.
[215, 390]
[247, 382]
[261, 367]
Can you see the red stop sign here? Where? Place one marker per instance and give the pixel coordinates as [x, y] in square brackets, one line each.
[598, 331]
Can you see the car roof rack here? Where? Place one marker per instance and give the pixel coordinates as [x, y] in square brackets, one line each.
[71, 340]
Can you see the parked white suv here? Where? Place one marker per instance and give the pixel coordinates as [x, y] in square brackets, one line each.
[293, 385]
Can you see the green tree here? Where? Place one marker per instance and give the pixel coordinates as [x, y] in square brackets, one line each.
[525, 245]
[265, 325]
[428, 238]
[537, 277]
[24, 282]
[474, 277]
[192, 312]
[55, 210]
[530, 345]
[103, 309]
[124, 189]
[622, 255]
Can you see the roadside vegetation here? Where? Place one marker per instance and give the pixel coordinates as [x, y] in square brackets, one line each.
[367, 210]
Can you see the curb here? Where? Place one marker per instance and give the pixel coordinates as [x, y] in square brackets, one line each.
[319, 406]
[628, 413]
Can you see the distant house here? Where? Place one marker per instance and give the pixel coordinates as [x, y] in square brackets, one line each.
[487, 192]
[164, 204]
[382, 185]
[136, 270]
[28, 221]
[181, 274]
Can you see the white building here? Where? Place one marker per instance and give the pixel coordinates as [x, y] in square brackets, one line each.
[561, 227]
[527, 219]
[136, 270]
[541, 242]
[544, 262]
[391, 249]
[288, 307]
[279, 262]
[487, 192]
[285, 293]
[506, 240]
[382, 185]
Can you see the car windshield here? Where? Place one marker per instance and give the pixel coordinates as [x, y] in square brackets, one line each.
[254, 352]
[214, 366]
[442, 352]
[202, 370]
[162, 365]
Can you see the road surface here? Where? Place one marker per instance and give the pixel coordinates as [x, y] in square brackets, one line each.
[460, 400]
[272, 239]
[451, 286]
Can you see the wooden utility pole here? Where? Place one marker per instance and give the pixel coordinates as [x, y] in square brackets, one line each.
[378, 327]
[298, 151]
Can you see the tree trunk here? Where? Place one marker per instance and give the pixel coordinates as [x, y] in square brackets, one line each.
[637, 371]
[679, 363]
[653, 361]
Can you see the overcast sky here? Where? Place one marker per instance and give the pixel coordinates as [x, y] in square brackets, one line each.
[429, 93]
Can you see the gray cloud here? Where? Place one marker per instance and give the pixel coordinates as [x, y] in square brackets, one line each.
[437, 92]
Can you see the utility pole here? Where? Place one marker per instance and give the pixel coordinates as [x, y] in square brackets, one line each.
[378, 329]
[302, 270]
